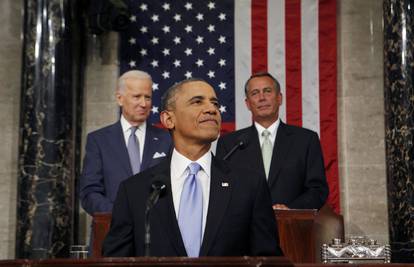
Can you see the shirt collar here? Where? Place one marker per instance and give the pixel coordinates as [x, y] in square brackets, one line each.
[272, 128]
[180, 163]
[126, 126]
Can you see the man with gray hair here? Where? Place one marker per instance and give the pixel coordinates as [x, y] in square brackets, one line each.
[124, 148]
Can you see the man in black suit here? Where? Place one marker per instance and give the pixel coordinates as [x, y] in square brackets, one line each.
[230, 212]
[289, 156]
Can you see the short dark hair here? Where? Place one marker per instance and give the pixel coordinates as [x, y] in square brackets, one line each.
[167, 101]
[262, 74]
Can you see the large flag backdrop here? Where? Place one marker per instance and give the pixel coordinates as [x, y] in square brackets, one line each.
[225, 41]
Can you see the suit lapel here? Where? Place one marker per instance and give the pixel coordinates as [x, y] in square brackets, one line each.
[116, 140]
[148, 147]
[280, 151]
[253, 149]
[220, 193]
[165, 209]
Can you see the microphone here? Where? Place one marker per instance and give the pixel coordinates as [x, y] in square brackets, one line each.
[158, 189]
[242, 142]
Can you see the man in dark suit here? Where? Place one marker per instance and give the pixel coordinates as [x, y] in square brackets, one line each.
[122, 149]
[289, 156]
[210, 208]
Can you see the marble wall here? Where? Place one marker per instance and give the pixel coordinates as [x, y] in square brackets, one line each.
[361, 118]
[10, 65]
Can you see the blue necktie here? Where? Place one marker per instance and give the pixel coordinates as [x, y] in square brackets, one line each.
[133, 151]
[190, 214]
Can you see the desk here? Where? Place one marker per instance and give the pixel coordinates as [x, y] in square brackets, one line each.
[301, 232]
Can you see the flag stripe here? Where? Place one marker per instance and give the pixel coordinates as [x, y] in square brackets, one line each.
[259, 35]
[328, 104]
[276, 46]
[293, 63]
[310, 71]
[243, 62]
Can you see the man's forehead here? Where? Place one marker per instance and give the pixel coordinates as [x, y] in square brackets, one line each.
[198, 88]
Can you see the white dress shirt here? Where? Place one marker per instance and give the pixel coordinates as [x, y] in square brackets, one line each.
[139, 133]
[272, 129]
[179, 171]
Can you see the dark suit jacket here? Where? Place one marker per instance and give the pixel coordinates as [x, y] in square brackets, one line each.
[106, 163]
[240, 219]
[297, 174]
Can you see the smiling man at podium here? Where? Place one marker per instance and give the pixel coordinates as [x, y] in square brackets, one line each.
[210, 207]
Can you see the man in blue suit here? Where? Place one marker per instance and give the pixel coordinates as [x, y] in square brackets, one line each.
[124, 148]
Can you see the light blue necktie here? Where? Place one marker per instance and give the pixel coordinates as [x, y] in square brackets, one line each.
[133, 151]
[190, 214]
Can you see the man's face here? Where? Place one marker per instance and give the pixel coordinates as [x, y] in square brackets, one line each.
[136, 100]
[195, 116]
[263, 99]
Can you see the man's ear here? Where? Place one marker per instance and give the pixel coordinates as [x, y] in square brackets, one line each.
[167, 119]
[118, 97]
[247, 103]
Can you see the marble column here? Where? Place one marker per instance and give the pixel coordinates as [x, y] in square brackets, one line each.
[50, 102]
[399, 124]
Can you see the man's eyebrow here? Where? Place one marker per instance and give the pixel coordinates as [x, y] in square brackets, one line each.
[197, 97]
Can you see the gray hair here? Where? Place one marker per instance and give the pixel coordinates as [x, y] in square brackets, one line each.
[132, 74]
[262, 74]
[168, 98]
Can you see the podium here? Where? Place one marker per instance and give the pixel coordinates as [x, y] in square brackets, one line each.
[301, 232]
[153, 261]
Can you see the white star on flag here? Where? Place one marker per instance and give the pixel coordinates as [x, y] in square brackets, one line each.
[188, 51]
[222, 62]
[210, 51]
[166, 75]
[199, 39]
[222, 109]
[155, 18]
[143, 7]
[155, 109]
[166, 52]
[188, 28]
[154, 63]
[211, 5]
[200, 17]
[177, 63]
[177, 17]
[222, 16]
[222, 85]
[155, 40]
[188, 74]
[188, 6]
[199, 62]
[166, 6]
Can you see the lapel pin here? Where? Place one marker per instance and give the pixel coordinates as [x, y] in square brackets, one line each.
[155, 138]
[223, 184]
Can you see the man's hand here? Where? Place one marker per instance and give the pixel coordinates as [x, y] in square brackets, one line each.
[280, 207]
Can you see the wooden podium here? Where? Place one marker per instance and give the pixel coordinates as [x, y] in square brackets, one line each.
[301, 232]
[297, 234]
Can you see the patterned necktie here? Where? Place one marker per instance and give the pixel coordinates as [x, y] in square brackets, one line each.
[190, 213]
[133, 151]
[267, 150]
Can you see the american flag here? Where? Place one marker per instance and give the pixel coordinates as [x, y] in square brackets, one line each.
[225, 41]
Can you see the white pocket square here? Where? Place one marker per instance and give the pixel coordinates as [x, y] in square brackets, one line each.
[158, 155]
